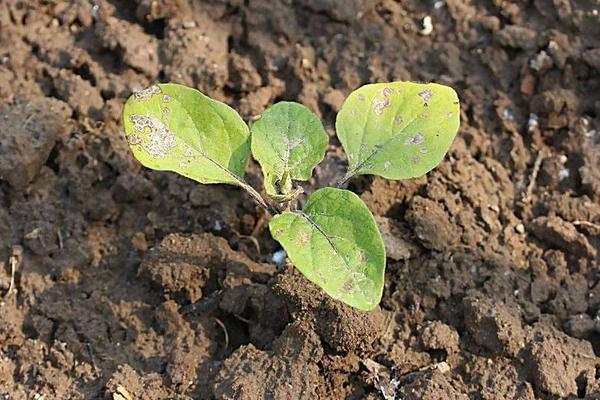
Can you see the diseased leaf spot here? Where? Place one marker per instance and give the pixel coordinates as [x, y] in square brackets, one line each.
[362, 257]
[134, 139]
[348, 286]
[386, 166]
[165, 110]
[424, 115]
[386, 91]
[415, 159]
[423, 150]
[398, 120]
[166, 98]
[380, 104]
[146, 94]
[189, 152]
[304, 238]
[361, 97]
[426, 95]
[415, 139]
[154, 137]
[449, 114]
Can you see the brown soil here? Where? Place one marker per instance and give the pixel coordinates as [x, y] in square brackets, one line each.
[144, 284]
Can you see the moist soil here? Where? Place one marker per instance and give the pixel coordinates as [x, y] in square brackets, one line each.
[138, 284]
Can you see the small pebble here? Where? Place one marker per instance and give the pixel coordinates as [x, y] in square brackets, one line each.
[532, 122]
[508, 114]
[427, 26]
[520, 228]
[279, 257]
[95, 10]
[563, 174]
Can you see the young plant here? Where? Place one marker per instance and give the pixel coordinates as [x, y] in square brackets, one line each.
[397, 130]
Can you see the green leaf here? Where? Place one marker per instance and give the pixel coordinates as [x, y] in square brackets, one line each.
[288, 141]
[176, 128]
[336, 244]
[398, 130]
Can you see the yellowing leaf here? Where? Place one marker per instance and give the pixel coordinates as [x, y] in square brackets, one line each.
[336, 244]
[398, 130]
[176, 128]
[288, 141]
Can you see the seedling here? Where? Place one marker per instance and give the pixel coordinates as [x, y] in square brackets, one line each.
[397, 130]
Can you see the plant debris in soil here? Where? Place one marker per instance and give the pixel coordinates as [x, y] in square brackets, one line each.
[141, 284]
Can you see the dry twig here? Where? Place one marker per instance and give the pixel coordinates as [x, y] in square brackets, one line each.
[14, 261]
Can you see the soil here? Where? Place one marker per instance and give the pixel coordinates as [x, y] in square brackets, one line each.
[137, 284]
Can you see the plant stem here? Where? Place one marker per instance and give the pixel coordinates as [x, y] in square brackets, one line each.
[257, 197]
[346, 178]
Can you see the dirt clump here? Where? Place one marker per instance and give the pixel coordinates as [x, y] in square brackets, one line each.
[341, 327]
[560, 365]
[289, 371]
[431, 224]
[439, 336]
[494, 326]
[184, 266]
[29, 128]
[431, 384]
[563, 235]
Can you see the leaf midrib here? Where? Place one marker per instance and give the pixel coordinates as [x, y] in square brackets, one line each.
[202, 153]
[320, 230]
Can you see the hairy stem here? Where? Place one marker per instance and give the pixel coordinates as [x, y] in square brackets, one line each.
[257, 197]
[346, 178]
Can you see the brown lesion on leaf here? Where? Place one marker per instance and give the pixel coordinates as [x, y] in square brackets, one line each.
[417, 138]
[304, 238]
[383, 101]
[146, 94]
[386, 91]
[348, 286]
[133, 139]
[426, 96]
[152, 135]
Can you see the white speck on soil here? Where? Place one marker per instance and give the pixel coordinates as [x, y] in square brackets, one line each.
[563, 174]
[532, 122]
[279, 257]
[427, 26]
